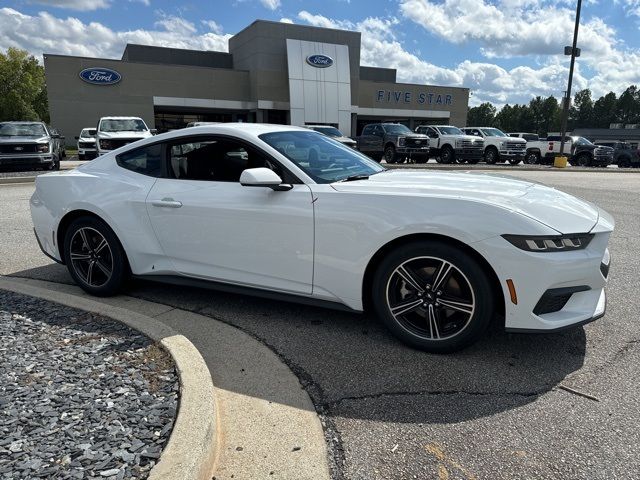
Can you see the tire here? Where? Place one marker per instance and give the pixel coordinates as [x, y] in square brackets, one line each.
[98, 268]
[81, 156]
[438, 159]
[390, 155]
[491, 156]
[55, 165]
[514, 161]
[408, 277]
[447, 155]
[64, 153]
[583, 160]
[532, 158]
[624, 162]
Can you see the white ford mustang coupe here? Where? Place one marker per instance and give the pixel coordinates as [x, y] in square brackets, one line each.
[285, 212]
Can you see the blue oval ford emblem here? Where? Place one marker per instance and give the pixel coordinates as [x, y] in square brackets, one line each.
[100, 76]
[319, 61]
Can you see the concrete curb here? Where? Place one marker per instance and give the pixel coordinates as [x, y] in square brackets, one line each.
[192, 447]
[9, 180]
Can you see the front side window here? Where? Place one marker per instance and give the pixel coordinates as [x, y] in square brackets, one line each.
[215, 160]
[323, 159]
[144, 160]
[582, 141]
[123, 125]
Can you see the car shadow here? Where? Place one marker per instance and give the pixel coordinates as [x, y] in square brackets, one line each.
[351, 365]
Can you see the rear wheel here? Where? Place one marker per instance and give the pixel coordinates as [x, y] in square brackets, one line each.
[532, 158]
[390, 155]
[433, 296]
[81, 156]
[624, 162]
[94, 257]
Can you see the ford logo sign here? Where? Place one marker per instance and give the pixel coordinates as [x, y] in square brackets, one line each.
[100, 76]
[319, 61]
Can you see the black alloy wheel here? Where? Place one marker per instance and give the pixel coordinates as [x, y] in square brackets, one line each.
[94, 257]
[491, 155]
[532, 158]
[447, 155]
[390, 155]
[433, 296]
[584, 160]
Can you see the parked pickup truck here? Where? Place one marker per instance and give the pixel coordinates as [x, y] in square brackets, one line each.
[115, 132]
[449, 144]
[498, 146]
[579, 150]
[30, 144]
[86, 144]
[623, 154]
[395, 141]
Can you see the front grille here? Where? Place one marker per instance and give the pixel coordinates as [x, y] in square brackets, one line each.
[554, 299]
[471, 144]
[417, 142]
[121, 142]
[88, 144]
[516, 146]
[19, 148]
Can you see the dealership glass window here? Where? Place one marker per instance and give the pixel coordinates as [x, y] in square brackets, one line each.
[215, 160]
[145, 160]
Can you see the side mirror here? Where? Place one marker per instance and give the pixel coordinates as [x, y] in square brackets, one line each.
[263, 177]
[154, 131]
[76, 137]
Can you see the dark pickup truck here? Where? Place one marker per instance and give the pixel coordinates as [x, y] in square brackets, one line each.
[580, 151]
[623, 154]
[395, 141]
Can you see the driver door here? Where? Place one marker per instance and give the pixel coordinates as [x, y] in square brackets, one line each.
[212, 227]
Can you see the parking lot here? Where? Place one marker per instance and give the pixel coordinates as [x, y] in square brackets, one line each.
[512, 406]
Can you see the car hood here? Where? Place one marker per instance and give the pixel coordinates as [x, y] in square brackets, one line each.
[123, 134]
[344, 139]
[27, 139]
[553, 208]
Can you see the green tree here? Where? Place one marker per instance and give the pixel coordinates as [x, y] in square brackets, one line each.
[23, 94]
[604, 111]
[483, 115]
[628, 106]
[550, 112]
[581, 113]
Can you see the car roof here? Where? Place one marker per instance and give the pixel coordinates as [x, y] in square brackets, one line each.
[24, 122]
[119, 118]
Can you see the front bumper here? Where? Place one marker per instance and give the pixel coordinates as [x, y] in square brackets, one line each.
[32, 160]
[512, 153]
[603, 160]
[580, 273]
[413, 151]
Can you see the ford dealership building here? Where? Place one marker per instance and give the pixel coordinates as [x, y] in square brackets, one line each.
[274, 72]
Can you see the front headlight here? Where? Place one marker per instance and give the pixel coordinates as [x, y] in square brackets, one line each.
[458, 143]
[106, 145]
[554, 243]
[501, 144]
[402, 141]
[43, 148]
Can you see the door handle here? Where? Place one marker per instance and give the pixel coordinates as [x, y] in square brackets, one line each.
[167, 203]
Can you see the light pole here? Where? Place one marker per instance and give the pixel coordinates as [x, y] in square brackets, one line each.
[575, 52]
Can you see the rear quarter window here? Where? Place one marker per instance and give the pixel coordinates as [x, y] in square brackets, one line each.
[144, 160]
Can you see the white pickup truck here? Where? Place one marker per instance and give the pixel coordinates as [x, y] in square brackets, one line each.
[449, 144]
[114, 132]
[498, 146]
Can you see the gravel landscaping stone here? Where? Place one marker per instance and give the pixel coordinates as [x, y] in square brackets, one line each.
[81, 395]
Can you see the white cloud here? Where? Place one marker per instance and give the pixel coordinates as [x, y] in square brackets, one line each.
[46, 33]
[213, 26]
[489, 81]
[286, 20]
[632, 7]
[146, 3]
[80, 5]
[270, 4]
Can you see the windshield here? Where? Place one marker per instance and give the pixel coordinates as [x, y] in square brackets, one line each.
[331, 131]
[493, 132]
[22, 130]
[123, 125]
[396, 128]
[581, 141]
[323, 159]
[87, 133]
[450, 131]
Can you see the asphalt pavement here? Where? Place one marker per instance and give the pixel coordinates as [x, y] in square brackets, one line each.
[498, 410]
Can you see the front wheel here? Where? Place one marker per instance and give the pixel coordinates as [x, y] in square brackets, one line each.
[94, 257]
[390, 155]
[433, 296]
[491, 156]
[532, 158]
[447, 155]
[583, 160]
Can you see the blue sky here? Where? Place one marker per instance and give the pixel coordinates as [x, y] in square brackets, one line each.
[506, 51]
